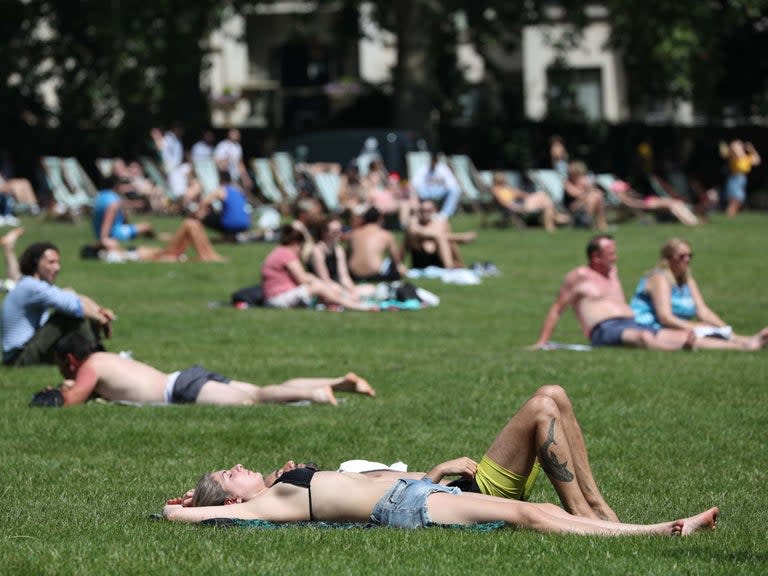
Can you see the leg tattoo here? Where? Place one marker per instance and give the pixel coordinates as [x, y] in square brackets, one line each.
[549, 461]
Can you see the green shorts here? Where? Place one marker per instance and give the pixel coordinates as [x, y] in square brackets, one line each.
[495, 480]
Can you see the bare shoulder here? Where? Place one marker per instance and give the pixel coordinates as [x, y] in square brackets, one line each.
[659, 280]
[103, 361]
[577, 275]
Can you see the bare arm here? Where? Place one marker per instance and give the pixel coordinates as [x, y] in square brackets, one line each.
[462, 237]
[564, 299]
[299, 274]
[106, 227]
[318, 263]
[463, 466]
[395, 255]
[205, 203]
[704, 312]
[343, 270]
[179, 513]
[93, 311]
[572, 189]
[753, 155]
[78, 391]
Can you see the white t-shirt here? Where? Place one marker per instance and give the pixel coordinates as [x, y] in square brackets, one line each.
[232, 152]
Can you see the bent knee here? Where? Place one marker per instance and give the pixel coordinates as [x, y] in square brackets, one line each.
[543, 406]
[638, 338]
[554, 391]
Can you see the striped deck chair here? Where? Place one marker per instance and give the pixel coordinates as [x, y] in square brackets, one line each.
[515, 180]
[156, 175]
[415, 161]
[476, 195]
[265, 180]
[70, 202]
[605, 182]
[78, 178]
[551, 182]
[207, 173]
[328, 184]
[286, 175]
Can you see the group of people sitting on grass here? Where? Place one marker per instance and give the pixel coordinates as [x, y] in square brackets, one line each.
[317, 260]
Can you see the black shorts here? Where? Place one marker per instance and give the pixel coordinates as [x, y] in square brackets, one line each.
[189, 382]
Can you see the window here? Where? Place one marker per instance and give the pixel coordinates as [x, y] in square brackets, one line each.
[574, 94]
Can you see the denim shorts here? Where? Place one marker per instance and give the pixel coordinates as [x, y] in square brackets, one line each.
[405, 504]
[736, 187]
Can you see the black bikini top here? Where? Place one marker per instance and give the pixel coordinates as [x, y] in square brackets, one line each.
[297, 477]
[301, 477]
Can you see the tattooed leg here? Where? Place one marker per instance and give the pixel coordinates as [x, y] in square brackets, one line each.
[580, 459]
[549, 460]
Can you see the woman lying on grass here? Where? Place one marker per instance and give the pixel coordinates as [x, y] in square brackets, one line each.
[544, 432]
[305, 494]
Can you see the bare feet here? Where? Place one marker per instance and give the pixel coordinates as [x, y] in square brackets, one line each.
[702, 521]
[354, 383]
[763, 336]
[9, 238]
[324, 396]
[690, 341]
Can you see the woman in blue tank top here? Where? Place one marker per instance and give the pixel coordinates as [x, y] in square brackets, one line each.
[669, 297]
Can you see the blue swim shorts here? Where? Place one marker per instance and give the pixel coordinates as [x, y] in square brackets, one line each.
[405, 504]
[608, 332]
[123, 232]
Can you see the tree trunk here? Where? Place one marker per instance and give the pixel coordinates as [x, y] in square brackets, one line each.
[412, 101]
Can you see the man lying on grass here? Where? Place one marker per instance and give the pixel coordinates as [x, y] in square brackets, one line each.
[544, 433]
[89, 372]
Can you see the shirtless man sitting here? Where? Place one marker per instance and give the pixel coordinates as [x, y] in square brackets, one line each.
[598, 301]
[430, 240]
[374, 254]
[89, 372]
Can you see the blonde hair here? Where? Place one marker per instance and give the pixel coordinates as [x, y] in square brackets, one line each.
[577, 168]
[209, 492]
[668, 251]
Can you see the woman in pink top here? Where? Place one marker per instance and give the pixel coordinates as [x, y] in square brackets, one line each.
[286, 284]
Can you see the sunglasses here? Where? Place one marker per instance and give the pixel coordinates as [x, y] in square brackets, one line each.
[684, 256]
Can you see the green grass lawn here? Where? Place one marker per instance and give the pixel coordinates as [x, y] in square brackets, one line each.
[669, 433]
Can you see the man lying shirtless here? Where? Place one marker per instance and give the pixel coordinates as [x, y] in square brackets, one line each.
[90, 372]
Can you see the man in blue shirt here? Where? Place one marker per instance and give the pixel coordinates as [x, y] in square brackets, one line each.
[233, 214]
[30, 330]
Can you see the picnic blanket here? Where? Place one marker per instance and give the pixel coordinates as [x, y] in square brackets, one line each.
[266, 525]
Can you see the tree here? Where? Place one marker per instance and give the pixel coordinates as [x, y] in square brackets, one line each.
[109, 63]
[693, 50]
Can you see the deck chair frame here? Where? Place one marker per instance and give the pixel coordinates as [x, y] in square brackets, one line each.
[265, 180]
[74, 203]
[286, 174]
